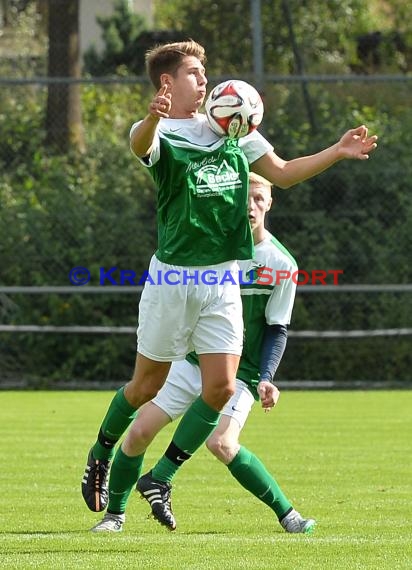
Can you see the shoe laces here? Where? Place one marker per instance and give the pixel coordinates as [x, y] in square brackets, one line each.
[99, 473]
[164, 489]
[166, 496]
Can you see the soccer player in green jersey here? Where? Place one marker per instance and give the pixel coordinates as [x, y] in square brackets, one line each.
[267, 310]
[202, 182]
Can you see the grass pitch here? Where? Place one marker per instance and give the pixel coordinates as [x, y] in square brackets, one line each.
[343, 458]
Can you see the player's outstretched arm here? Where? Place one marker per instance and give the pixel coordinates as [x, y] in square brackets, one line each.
[355, 144]
[141, 139]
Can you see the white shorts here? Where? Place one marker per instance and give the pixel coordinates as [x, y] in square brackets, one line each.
[183, 385]
[186, 312]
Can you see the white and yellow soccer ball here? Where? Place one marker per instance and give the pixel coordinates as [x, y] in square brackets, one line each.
[234, 108]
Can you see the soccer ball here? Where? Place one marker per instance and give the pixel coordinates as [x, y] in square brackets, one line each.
[234, 109]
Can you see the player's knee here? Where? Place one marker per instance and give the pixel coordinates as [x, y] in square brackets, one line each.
[138, 437]
[218, 394]
[215, 446]
[221, 448]
[223, 395]
[138, 393]
[229, 393]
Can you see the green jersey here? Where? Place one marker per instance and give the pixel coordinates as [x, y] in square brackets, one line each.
[202, 185]
[267, 298]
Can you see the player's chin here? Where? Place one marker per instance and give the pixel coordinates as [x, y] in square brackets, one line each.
[194, 107]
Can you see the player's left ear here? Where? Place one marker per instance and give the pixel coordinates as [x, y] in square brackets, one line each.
[166, 79]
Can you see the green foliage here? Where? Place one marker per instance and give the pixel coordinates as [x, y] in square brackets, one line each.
[98, 210]
[23, 41]
[120, 32]
[325, 33]
[59, 212]
[364, 207]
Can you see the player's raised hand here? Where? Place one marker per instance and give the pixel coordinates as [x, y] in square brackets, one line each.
[161, 103]
[356, 143]
[268, 394]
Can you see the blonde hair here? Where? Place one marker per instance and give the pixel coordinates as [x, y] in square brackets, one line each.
[253, 177]
[167, 58]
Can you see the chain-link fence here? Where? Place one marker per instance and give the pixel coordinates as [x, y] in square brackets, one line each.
[96, 210]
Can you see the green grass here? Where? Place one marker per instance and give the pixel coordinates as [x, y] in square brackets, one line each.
[343, 458]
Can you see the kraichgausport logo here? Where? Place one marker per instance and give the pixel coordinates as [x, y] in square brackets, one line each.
[259, 275]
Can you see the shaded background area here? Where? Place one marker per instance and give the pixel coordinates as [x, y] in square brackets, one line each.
[72, 195]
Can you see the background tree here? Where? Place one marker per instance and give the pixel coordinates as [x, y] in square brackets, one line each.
[63, 116]
[98, 208]
[325, 32]
[120, 31]
[126, 40]
[5, 13]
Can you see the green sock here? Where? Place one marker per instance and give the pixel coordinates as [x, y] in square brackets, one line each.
[118, 417]
[194, 428]
[253, 476]
[124, 473]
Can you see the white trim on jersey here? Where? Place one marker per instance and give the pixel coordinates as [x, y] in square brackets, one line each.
[256, 291]
[197, 132]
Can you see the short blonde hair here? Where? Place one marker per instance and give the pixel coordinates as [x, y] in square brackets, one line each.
[167, 58]
[253, 177]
